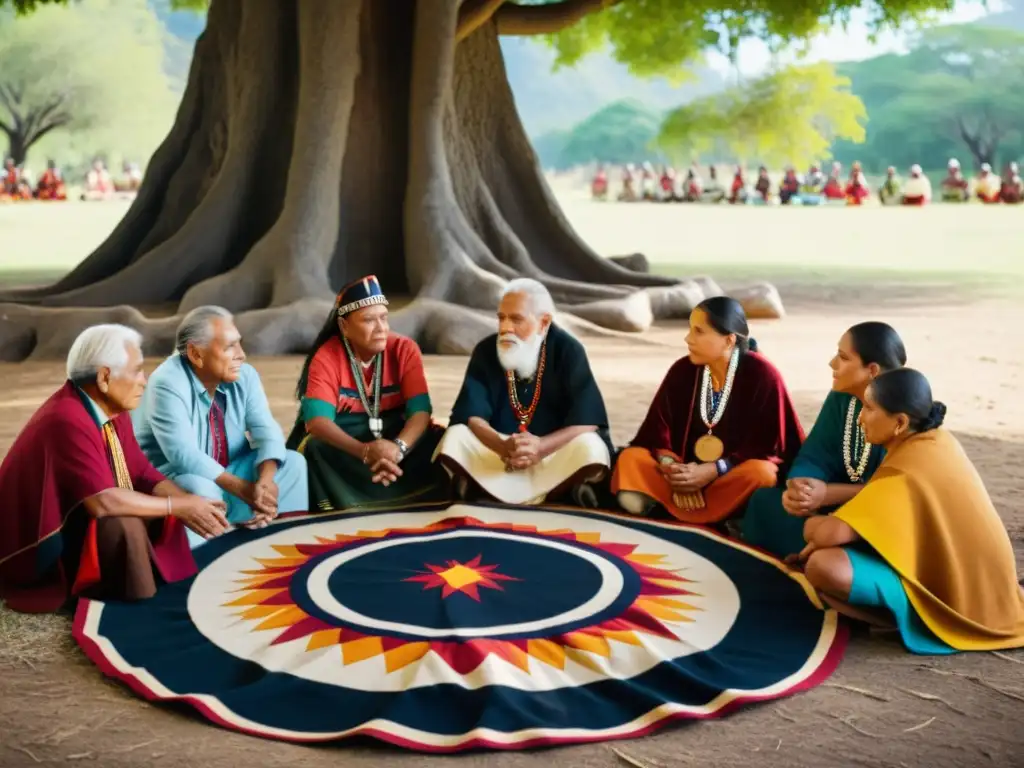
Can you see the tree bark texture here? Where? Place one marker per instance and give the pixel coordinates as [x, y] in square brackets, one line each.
[322, 140]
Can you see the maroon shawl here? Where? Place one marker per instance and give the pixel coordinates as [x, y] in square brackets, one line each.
[759, 420]
[59, 460]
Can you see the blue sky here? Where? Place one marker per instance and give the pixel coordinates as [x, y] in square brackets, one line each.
[850, 44]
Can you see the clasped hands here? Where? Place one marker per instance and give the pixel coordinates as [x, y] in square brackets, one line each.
[261, 496]
[688, 478]
[803, 496]
[383, 457]
[521, 451]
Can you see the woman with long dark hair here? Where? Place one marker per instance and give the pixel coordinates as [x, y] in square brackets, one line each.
[836, 460]
[721, 425]
[364, 422]
[922, 543]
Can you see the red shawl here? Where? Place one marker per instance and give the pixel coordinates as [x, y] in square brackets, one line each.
[59, 460]
[759, 420]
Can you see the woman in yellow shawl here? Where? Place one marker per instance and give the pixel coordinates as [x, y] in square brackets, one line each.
[922, 540]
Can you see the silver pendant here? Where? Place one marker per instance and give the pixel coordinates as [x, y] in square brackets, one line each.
[376, 426]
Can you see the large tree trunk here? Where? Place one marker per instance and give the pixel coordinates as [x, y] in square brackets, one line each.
[322, 140]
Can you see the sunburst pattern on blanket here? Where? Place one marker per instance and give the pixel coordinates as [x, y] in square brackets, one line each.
[267, 599]
[442, 629]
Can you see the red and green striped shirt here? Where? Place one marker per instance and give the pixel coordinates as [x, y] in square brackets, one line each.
[331, 390]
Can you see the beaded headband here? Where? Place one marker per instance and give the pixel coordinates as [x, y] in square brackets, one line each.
[364, 292]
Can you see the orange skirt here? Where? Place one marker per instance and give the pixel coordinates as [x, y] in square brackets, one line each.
[637, 471]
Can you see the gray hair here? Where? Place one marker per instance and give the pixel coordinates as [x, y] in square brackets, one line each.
[195, 327]
[541, 302]
[101, 346]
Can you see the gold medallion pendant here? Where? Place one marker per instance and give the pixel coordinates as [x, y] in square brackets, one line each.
[708, 448]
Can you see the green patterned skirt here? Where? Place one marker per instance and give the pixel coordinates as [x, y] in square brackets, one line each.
[338, 481]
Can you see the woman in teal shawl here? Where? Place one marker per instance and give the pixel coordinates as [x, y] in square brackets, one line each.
[835, 460]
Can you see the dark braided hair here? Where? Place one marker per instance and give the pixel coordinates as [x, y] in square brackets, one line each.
[329, 331]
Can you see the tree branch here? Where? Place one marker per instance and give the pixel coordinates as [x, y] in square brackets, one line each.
[546, 19]
[474, 14]
[59, 121]
[41, 117]
[8, 100]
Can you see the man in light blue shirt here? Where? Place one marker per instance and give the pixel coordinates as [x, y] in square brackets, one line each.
[205, 423]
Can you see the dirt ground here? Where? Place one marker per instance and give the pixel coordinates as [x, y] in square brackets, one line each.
[883, 707]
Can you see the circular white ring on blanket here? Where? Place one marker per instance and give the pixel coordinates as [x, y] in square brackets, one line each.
[243, 602]
[611, 585]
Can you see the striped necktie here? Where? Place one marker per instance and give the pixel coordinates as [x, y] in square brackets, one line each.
[218, 434]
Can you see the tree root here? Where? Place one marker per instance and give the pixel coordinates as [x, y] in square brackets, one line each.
[43, 333]
[271, 94]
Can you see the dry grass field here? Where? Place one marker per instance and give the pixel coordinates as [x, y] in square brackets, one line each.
[947, 277]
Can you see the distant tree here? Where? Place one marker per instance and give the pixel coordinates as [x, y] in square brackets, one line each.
[957, 89]
[97, 64]
[792, 115]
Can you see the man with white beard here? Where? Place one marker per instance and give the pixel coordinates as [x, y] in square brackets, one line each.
[529, 424]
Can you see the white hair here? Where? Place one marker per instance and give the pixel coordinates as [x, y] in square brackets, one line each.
[101, 346]
[540, 299]
[195, 327]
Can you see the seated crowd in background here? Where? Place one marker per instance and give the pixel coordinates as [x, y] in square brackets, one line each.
[97, 185]
[812, 188]
[112, 480]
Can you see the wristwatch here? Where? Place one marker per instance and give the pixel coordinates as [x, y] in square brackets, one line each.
[402, 448]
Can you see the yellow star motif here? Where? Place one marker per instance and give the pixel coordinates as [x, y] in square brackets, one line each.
[459, 576]
[462, 577]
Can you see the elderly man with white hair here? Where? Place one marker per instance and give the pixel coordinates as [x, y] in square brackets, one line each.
[205, 422]
[529, 424]
[83, 511]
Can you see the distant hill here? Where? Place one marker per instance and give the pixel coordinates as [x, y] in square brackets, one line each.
[558, 100]
[621, 132]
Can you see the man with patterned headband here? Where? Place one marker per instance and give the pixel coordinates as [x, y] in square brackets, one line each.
[364, 422]
[529, 424]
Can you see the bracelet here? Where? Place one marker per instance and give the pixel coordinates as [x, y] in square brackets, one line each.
[169, 512]
[366, 453]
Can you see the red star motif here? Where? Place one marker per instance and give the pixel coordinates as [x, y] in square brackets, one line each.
[466, 578]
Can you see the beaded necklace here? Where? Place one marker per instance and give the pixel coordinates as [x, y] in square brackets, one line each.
[855, 444]
[708, 447]
[525, 415]
[372, 407]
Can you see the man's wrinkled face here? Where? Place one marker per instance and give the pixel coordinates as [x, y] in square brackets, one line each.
[221, 359]
[520, 334]
[123, 389]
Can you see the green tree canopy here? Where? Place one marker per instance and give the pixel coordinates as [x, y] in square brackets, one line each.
[957, 91]
[792, 115]
[94, 70]
[663, 37]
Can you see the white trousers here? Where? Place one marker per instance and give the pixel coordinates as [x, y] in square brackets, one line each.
[529, 486]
